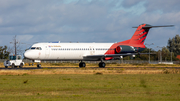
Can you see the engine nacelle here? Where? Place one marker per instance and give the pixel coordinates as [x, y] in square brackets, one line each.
[124, 49]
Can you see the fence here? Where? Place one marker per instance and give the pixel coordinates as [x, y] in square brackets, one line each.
[111, 61]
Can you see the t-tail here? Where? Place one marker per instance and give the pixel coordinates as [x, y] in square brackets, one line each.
[141, 33]
[133, 45]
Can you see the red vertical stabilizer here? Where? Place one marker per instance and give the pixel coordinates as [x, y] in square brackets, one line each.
[140, 34]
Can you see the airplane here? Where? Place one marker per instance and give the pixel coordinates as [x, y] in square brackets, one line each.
[90, 51]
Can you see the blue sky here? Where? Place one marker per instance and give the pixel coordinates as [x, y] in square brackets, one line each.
[86, 20]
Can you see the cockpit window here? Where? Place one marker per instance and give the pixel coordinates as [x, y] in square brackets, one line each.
[36, 48]
[33, 47]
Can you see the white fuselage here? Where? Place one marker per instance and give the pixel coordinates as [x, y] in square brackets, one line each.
[65, 51]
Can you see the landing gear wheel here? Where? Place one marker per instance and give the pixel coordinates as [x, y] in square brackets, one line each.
[102, 64]
[38, 65]
[31, 64]
[82, 64]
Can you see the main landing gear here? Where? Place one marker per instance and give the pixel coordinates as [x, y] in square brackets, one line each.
[102, 64]
[83, 64]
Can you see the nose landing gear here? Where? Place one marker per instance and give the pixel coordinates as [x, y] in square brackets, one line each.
[38, 65]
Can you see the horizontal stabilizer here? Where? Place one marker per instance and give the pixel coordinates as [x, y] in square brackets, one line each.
[155, 26]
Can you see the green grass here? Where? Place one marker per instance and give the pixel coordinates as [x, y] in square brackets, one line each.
[90, 87]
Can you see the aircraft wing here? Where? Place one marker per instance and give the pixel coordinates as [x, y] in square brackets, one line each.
[111, 55]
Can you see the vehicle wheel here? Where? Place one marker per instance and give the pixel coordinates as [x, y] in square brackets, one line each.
[13, 66]
[6, 66]
[21, 65]
[102, 64]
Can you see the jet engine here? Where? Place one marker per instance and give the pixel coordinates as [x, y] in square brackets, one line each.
[124, 49]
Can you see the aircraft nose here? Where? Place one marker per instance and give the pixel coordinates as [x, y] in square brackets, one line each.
[27, 55]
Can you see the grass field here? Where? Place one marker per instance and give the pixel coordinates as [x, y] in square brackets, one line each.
[91, 84]
[90, 87]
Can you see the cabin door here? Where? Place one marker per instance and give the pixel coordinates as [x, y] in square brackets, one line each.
[92, 50]
[47, 52]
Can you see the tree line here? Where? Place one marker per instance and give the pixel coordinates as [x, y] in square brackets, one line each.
[4, 53]
[166, 53]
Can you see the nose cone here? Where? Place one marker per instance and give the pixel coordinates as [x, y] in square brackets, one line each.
[30, 54]
[27, 55]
